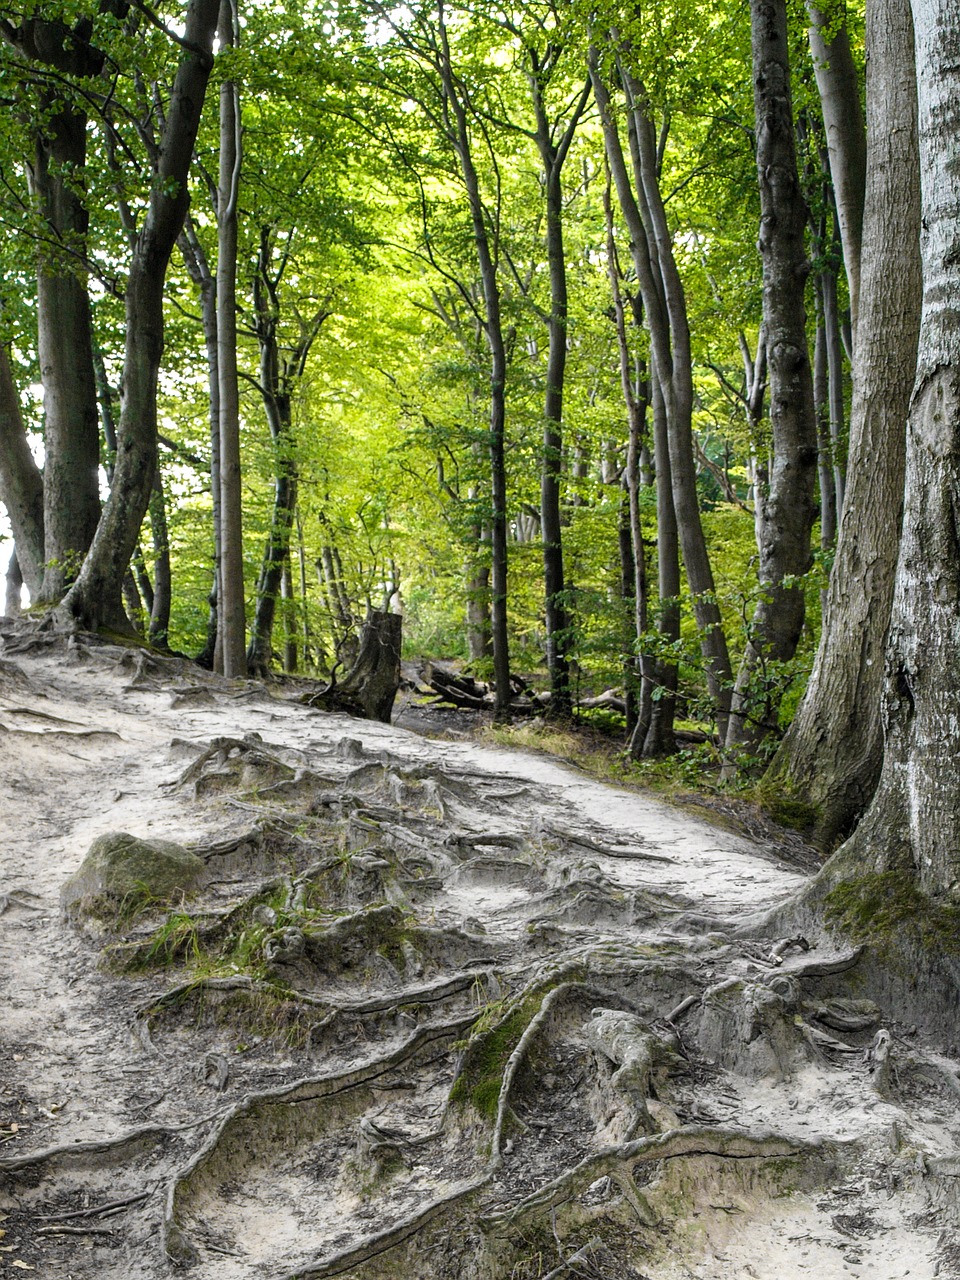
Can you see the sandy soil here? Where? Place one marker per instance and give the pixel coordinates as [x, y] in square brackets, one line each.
[315, 1127]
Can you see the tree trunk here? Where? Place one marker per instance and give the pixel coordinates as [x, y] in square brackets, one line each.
[832, 752]
[477, 573]
[231, 613]
[552, 157]
[65, 346]
[839, 89]
[95, 598]
[275, 555]
[198, 267]
[21, 484]
[835, 382]
[306, 652]
[289, 616]
[71, 468]
[633, 551]
[913, 824]
[821, 398]
[658, 697]
[493, 329]
[665, 309]
[162, 578]
[11, 603]
[789, 510]
[279, 376]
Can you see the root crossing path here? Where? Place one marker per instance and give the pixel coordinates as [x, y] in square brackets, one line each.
[431, 1010]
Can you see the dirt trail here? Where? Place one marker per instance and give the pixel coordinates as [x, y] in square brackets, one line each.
[438, 1010]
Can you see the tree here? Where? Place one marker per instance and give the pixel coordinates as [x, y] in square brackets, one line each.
[20, 481]
[664, 306]
[553, 144]
[51, 53]
[839, 88]
[280, 374]
[788, 511]
[94, 599]
[832, 752]
[912, 826]
[231, 613]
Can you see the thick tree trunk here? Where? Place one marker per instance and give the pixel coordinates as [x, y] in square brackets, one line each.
[839, 88]
[95, 598]
[832, 752]
[913, 823]
[64, 327]
[71, 476]
[21, 484]
[789, 510]
[231, 615]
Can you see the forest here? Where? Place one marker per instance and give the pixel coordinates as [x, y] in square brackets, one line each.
[541, 329]
[609, 354]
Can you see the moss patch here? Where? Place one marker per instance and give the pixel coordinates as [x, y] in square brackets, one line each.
[882, 907]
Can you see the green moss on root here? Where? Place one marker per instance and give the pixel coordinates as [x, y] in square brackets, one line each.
[882, 907]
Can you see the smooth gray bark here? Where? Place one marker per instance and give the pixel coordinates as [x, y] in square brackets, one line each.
[913, 823]
[831, 755]
[839, 87]
[21, 483]
[71, 469]
[11, 602]
[198, 267]
[71, 479]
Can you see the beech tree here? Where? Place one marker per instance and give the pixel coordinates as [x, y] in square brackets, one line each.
[95, 597]
[912, 826]
[788, 511]
[831, 754]
[665, 312]
[50, 52]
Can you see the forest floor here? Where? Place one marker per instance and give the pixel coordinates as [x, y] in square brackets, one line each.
[437, 1010]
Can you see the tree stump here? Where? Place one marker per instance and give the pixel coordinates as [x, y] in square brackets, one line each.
[370, 686]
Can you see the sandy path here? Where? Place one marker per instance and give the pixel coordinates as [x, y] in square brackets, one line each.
[87, 746]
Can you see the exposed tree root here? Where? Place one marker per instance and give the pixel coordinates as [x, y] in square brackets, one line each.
[686, 1143]
[461, 1028]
